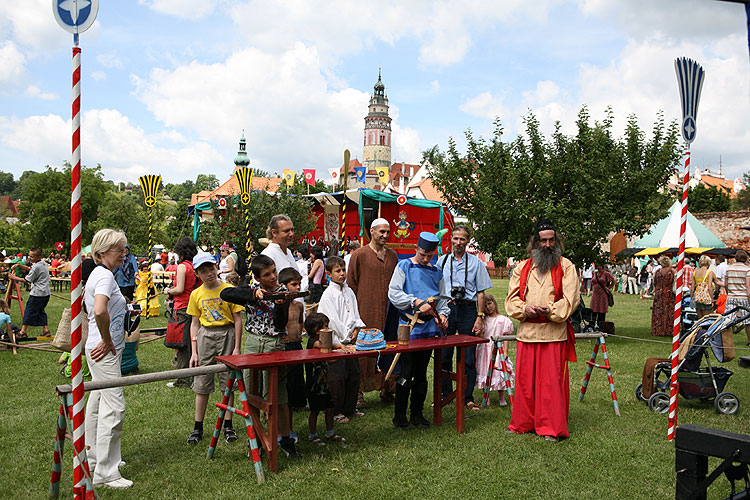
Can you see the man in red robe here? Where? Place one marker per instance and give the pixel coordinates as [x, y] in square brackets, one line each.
[543, 293]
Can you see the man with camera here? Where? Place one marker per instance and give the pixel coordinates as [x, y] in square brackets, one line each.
[467, 278]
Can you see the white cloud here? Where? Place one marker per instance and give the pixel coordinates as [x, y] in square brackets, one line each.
[184, 9]
[484, 105]
[13, 63]
[292, 118]
[109, 60]
[435, 87]
[34, 26]
[125, 151]
[98, 75]
[34, 92]
[444, 29]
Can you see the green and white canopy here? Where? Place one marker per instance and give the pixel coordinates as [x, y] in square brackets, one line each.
[666, 233]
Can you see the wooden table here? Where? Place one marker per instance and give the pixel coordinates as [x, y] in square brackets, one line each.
[273, 360]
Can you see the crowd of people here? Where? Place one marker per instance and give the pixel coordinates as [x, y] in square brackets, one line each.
[371, 289]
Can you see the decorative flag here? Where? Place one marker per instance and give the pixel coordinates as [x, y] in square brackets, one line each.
[150, 186]
[309, 175]
[382, 174]
[222, 203]
[360, 171]
[334, 175]
[60, 246]
[289, 177]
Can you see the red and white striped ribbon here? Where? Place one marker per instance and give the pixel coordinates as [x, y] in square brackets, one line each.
[79, 438]
[673, 385]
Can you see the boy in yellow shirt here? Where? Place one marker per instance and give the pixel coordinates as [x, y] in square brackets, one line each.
[216, 330]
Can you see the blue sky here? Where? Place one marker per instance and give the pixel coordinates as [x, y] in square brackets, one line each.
[169, 85]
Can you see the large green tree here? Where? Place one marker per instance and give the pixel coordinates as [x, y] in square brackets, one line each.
[590, 184]
[7, 183]
[47, 207]
[703, 199]
[742, 202]
[229, 223]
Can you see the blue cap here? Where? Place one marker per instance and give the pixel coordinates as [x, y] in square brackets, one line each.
[427, 241]
[201, 258]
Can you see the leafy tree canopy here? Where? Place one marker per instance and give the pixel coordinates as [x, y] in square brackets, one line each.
[702, 199]
[47, 207]
[590, 184]
[7, 183]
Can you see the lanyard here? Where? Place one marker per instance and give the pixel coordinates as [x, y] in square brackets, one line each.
[466, 269]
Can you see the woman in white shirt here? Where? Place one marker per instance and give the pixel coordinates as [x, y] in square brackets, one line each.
[107, 310]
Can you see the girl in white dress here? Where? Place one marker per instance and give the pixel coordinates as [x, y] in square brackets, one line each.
[495, 325]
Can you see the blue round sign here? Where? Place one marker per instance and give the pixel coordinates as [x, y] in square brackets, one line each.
[688, 129]
[75, 16]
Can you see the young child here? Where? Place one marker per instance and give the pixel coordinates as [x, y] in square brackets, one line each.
[495, 325]
[339, 304]
[291, 319]
[150, 306]
[264, 335]
[38, 278]
[216, 330]
[233, 278]
[318, 395]
[5, 317]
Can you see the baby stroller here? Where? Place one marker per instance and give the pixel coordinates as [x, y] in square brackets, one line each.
[689, 314]
[696, 381]
[583, 319]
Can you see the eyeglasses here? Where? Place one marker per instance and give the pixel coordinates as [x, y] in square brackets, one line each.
[117, 250]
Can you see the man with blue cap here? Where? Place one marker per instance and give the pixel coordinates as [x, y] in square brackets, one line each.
[417, 285]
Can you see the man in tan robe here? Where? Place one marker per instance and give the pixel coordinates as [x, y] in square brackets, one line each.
[542, 294]
[368, 275]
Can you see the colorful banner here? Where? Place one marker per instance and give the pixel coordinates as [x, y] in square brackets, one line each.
[360, 171]
[334, 173]
[289, 177]
[60, 246]
[382, 174]
[309, 175]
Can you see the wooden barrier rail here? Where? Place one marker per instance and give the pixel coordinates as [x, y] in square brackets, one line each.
[144, 378]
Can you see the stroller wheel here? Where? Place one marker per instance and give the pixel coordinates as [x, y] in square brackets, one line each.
[727, 403]
[639, 393]
[659, 402]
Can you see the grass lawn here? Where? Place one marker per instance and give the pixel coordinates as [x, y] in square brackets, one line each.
[625, 457]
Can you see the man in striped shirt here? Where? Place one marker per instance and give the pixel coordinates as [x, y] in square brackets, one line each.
[737, 283]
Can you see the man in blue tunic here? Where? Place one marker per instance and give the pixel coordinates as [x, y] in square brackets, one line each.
[414, 281]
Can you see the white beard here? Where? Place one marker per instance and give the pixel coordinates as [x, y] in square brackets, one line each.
[546, 259]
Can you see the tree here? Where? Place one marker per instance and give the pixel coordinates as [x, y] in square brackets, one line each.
[229, 223]
[703, 199]
[589, 185]
[434, 156]
[47, 207]
[206, 182]
[742, 202]
[7, 183]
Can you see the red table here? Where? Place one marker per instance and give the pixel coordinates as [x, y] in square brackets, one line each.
[273, 360]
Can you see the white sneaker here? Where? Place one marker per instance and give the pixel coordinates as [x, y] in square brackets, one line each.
[119, 483]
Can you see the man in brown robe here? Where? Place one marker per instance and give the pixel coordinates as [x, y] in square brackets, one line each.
[368, 275]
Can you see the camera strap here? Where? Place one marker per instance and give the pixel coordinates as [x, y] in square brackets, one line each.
[466, 267]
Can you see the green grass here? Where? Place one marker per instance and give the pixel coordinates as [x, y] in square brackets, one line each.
[624, 457]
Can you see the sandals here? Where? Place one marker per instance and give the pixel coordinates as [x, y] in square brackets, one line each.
[230, 435]
[341, 419]
[195, 437]
[316, 440]
[471, 405]
[335, 438]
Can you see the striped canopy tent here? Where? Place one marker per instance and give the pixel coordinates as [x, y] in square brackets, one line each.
[666, 233]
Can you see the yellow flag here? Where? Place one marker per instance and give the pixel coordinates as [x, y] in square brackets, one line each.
[289, 177]
[382, 174]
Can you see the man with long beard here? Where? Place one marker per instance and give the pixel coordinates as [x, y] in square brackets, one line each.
[543, 293]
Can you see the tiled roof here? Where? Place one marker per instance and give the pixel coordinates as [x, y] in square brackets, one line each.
[230, 188]
[429, 190]
[352, 164]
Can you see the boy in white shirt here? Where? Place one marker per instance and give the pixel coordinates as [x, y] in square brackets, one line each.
[339, 304]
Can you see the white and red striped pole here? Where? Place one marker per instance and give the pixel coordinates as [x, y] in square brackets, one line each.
[76, 350]
[673, 385]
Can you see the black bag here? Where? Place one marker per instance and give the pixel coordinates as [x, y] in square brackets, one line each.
[178, 330]
[240, 267]
[610, 297]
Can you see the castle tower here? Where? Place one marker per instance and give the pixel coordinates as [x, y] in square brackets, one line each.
[377, 150]
[242, 160]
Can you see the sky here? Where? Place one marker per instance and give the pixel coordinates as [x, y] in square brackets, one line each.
[169, 86]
